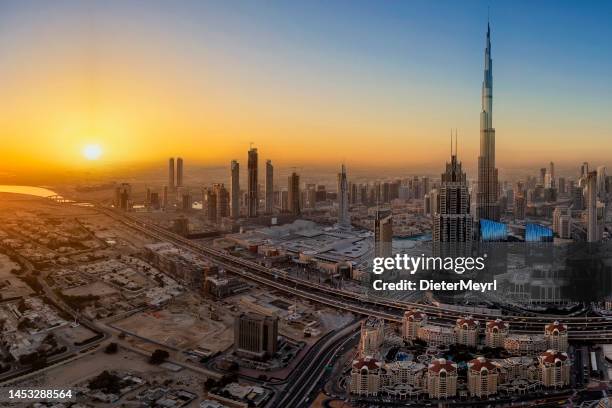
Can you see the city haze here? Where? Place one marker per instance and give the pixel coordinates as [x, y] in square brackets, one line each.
[310, 84]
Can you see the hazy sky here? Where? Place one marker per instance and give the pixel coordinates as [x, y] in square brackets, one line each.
[371, 83]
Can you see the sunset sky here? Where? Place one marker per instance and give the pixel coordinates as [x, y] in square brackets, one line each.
[374, 84]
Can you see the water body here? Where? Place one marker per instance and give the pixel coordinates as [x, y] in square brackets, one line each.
[27, 190]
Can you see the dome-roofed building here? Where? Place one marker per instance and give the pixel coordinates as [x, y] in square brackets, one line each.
[442, 379]
[556, 336]
[482, 377]
[495, 333]
[554, 368]
[365, 376]
[412, 321]
[466, 329]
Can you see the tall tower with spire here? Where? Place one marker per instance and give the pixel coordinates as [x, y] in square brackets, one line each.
[487, 203]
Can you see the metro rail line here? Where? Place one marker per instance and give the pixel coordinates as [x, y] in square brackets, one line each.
[580, 328]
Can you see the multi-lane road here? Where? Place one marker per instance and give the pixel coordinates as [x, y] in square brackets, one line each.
[589, 328]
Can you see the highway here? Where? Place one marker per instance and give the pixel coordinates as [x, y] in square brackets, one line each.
[595, 328]
[310, 370]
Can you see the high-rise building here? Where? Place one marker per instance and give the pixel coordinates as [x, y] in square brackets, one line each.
[366, 376]
[344, 220]
[577, 196]
[562, 222]
[179, 172]
[441, 379]
[180, 225]
[235, 189]
[592, 225]
[601, 182]
[466, 329]
[542, 179]
[554, 369]
[551, 176]
[293, 188]
[222, 201]
[427, 205]
[372, 337]
[256, 336]
[495, 333]
[171, 174]
[562, 189]
[283, 196]
[482, 377]
[253, 198]
[209, 204]
[148, 199]
[411, 323]
[435, 201]
[310, 196]
[123, 194]
[166, 204]
[186, 201]
[269, 187]
[487, 205]
[383, 234]
[556, 336]
[453, 222]
[353, 191]
[154, 201]
[584, 169]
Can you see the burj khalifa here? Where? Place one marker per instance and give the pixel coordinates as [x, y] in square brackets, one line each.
[487, 203]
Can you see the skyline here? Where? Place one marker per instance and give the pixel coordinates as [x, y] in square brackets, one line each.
[384, 100]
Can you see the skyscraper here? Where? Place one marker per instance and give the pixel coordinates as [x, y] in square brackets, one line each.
[577, 197]
[179, 172]
[453, 222]
[123, 194]
[562, 189]
[293, 187]
[487, 205]
[601, 182]
[235, 189]
[542, 179]
[252, 198]
[592, 227]
[221, 195]
[383, 234]
[269, 187]
[171, 173]
[520, 206]
[584, 169]
[551, 172]
[562, 222]
[344, 220]
[209, 204]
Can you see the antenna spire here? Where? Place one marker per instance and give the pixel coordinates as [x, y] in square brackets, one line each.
[456, 135]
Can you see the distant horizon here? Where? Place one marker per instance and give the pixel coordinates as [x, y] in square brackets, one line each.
[156, 173]
[311, 85]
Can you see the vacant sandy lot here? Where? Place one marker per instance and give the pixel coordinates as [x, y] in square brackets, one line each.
[179, 329]
[14, 286]
[75, 334]
[96, 288]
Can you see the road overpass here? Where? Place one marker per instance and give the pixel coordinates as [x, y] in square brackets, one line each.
[595, 328]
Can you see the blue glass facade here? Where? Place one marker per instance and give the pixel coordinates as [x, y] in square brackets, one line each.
[538, 233]
[493, 230]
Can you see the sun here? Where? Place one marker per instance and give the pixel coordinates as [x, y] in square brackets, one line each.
[92, 152]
